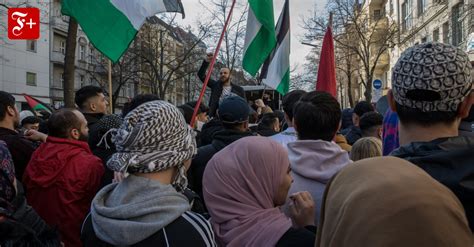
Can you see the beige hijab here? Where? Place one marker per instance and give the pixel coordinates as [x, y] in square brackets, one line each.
[388, 201]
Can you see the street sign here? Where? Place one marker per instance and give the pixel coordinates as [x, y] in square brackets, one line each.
[377, 84]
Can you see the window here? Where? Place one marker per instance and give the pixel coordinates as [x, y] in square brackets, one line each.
[377, 14]
[31, 45]
[407, 15]
[62, 46]
[391, 7]
[436, 35]
[421, 7]
[30, 79]
[424, 39]
[61, 78]
[446, 33]
[81, 79]
[457, 24]
[82, 52]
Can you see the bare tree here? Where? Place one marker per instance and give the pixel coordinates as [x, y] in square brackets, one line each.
[358, 31]
[69, 64]
[233, 43]
[166, 54]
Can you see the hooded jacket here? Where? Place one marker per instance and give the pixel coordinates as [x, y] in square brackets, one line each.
[61, 180]
[313, 164]
[451, 162]
[143, 212]
[220, 140]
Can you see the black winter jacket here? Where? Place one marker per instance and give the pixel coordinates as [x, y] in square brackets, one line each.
[451, 162]
[190, 229]
[221, 139]
[216, 89]
[24, 227]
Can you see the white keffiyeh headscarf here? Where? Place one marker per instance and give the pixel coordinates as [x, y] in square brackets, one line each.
[153, 137]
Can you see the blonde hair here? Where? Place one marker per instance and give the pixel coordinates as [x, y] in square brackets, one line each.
[366, 147]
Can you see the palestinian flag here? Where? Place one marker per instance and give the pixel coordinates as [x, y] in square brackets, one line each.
[276, 70]
[111, 25]
[36, 104]
[260, 36]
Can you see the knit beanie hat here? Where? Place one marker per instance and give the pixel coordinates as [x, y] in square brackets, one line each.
[432, 77]
[152, 138]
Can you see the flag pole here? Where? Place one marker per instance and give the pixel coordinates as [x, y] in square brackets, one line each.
[110, 87]
[211, 67]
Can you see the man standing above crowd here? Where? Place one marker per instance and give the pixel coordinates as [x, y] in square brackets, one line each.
[63, 175]
[221, 88]
[432, 93]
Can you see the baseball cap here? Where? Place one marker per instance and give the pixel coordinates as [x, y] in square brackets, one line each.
[432, 77]
[233, 109]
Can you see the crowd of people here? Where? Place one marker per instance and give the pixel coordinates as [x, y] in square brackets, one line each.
[248, 174]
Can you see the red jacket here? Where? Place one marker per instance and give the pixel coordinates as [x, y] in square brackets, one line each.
[62, 178]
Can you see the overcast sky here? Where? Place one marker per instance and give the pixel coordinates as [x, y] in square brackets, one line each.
[298, 8]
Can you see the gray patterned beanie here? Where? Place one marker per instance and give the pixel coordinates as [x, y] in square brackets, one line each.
[152, 138]
[432, 77]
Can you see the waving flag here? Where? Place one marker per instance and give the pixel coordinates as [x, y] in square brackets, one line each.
[276, 70]
[36, 104]
[111, 25]
[326, 81]
[260, 38]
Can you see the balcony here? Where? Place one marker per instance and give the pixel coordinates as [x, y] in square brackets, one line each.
[57, 57]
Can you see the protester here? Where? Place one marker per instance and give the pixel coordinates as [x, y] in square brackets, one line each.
[105, 148]
[234, 114]
[20, 225]
[138, 100]
[262, 108]
[269, 125]
[340, 140]
[430, 111]
[314, 157]
[371, 125]
[221, 88]
[208, 130]
[31, 122]
[92, 103]
[366, 147]
[267, 100]
[354, 132]
[154, 149]
[390, 202]
[20, 148]
[244, 186]
[288, 103]
[346, 120]
[63, 175]
[390, 139]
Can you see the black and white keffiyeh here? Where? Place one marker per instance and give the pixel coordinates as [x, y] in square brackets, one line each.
[153, 137]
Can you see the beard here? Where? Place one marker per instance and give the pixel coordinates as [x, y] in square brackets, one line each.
[83, 138]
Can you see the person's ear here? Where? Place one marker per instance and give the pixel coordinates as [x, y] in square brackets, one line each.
[391, 101]
[11, 110]
[465, 106]
[92, 106]
[75, 134]
[380, 132]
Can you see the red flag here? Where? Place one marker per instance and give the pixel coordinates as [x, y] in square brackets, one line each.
[326, 81]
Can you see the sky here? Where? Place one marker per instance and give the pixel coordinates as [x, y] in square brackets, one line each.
[298, 9]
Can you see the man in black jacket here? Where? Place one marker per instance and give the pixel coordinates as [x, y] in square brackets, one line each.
[221, 88]
[20, 148]
[234, 114]
[431, 94]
